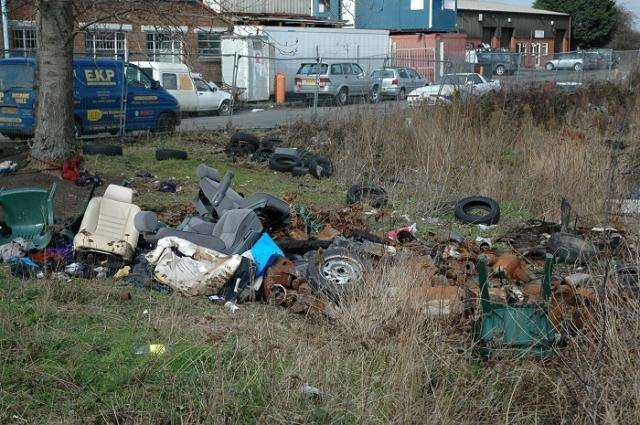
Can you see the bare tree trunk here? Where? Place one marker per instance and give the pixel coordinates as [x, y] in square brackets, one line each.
[54, 133]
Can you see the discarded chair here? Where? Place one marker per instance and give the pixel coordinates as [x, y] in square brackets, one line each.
[28, 212]
[235, 232]
[525, 330]
[107, 226]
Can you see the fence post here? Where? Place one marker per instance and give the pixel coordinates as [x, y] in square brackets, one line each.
[123, 103]
[233, 85]
[315, 94]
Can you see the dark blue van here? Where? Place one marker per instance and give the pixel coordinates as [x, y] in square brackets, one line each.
[99, 88]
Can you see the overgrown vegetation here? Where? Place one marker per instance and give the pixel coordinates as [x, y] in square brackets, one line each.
[67, 348]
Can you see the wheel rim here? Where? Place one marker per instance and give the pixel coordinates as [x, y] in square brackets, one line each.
[341, 271]
[342, 97]
[376, 95]
[224, 109]
[500, 70]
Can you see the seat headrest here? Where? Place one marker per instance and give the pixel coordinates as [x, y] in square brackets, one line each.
[209, 172]
[146, 221]
[119, 193]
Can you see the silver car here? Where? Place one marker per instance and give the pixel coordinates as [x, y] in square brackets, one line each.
[395, 82]
[340, 80]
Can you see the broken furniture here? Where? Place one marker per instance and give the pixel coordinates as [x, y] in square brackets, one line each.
[28, 213]
[216, 196]
[234, 233]
[506, 328]
[108, 224]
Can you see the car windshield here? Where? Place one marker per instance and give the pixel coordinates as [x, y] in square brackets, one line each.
[454, 79]
[16, 76]
[383, 73]
[313, 68]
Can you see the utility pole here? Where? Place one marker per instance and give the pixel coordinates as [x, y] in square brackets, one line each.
[5, 28]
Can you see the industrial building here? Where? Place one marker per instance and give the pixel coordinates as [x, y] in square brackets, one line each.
[535, 33]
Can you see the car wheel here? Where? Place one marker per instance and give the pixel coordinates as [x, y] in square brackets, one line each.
[577, 67]
[163, 154]
[335, 272]
[549, 67]
[375, 94]
[225, 108]
[374, 195]
[403, 94]
[500, 70]
[166, 123]
[342, 97]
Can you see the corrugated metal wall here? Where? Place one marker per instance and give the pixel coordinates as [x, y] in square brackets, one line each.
[290, 7]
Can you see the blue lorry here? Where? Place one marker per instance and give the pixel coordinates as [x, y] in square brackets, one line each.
[105, 92]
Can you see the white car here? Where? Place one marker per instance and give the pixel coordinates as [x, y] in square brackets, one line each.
[194, 95]
[442, 90]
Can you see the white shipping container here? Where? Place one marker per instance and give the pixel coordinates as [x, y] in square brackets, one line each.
[255, 73]
[293, 46]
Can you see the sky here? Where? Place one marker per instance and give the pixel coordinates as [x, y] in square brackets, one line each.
[632, 5]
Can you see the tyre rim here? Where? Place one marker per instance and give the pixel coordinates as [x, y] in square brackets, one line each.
[341, 271]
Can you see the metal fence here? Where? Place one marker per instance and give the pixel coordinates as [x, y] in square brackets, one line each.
[317, 81]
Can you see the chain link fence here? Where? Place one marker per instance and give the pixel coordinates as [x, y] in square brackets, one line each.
[232, 83]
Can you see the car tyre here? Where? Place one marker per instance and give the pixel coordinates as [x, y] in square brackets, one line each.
[225, 108]
[463, 208]
[166, 123]
[283, 163]
[375, 94]
[242, 143]
[163, 154]
[320, 167]
[577, 67]
[500, 70]
[100, 149]
[335, 271]
[402, 95]
[549, 66]
[375, 195]
[342, 97]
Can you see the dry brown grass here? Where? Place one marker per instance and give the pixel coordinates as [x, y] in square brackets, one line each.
[526, 150]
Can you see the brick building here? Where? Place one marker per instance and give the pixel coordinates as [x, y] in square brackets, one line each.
[535, 33]
[170, 31]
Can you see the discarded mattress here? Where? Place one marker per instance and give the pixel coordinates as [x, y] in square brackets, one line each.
[190, 269]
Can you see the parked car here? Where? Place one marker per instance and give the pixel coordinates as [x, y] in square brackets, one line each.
[607, 58]
[98, 95]
[448, 84]
[395, 82]
[193, 93]
[577, 61]
[340, 80]
[501, 63]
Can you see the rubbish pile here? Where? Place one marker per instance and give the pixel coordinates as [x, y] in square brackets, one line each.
[286, 160]
[233, 249]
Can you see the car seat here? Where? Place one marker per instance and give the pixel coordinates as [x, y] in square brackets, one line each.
[108, 224]
[235, 232]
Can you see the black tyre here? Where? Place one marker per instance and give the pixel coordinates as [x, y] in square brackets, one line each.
[375, 94]
[166, 123]
[500, 70]
[320, 167]
[96, 149]
[283, 163]
[577, 67]
[372, 194]
[162, 154]
[242, 143]
[549, 66]
[342, 98]
[335, 272]
[225, 108]
[299, 171]
[262, 154]
[477, 210]
[403, 94]
[571, 248]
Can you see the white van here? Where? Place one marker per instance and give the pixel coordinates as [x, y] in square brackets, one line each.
[193, 93]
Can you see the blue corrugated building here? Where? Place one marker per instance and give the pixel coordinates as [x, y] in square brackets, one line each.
[406, 15]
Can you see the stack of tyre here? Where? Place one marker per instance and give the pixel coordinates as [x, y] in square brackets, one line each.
[285, 160]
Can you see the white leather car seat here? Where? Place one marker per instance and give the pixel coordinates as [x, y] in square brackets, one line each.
[107, 226]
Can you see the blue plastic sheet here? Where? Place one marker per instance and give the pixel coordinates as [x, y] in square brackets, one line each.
[264, 252]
